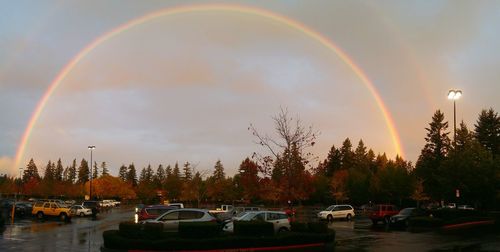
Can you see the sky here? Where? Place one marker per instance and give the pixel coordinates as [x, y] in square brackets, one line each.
[186, 86]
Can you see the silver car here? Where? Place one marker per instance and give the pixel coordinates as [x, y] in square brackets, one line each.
[279, 219]
[172, 218]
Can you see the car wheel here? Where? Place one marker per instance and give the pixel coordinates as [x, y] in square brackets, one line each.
[82, 214]
[39, 215]
[387, 220]
[407, 223]
[63, 216]
[329, 218]
[349, 217]
[374, 222]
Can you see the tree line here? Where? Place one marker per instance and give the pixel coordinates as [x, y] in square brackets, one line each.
[467, 167]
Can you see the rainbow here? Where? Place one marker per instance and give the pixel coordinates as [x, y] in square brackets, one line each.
[208, 8]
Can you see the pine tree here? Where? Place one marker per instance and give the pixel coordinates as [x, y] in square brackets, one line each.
[168, 171]
[188, 175]
[142, 177]
[123, 173]
[132, 175]
[31, 171]
[219, 171]
[487, 131]
[333, 161]
[49, 172]
[59, 171]
[149, 174]
[160, 176]
[346, 154]
[72, 172]
[433, 154]
[104, 169]
[83, 172]
[95, 173]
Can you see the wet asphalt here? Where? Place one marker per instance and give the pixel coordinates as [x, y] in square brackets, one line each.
[85, 234]
[81, 234]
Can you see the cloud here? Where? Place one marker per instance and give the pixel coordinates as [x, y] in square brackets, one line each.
[7, 166]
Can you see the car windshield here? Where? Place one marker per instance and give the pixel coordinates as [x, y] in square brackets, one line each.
[406, 211]
[330, 208]
[247, 216]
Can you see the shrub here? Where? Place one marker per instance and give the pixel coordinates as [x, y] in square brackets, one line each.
[299, 226]
[199, 229]
[130, 229]
[253, 228]
[427, 222]
[153, 230]
[318, 227]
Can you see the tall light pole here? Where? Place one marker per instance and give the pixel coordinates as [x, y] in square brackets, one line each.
[91, 147]
[454, 95]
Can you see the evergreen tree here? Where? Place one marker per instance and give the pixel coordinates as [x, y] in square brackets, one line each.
[122, 173]
[31, 171]
[49, 172]
[173, 182]
[59, 171]
[104, 169]
[149, 174]
[142, 177]
[176, 171]
[168, 171]
[433, 154]
[83, 172]
[188, 174]
[95, 173]
[360, 156]
[333, 161]
[487, 131]
[249, 179]
[72, 172]
[66, 174]
[132, 175]
[219, 171]
[160, 176]
[346, 154]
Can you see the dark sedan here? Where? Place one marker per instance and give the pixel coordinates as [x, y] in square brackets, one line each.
[404, 216]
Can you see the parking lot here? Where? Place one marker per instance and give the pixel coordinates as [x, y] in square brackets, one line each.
[85, 234]
[81, 234]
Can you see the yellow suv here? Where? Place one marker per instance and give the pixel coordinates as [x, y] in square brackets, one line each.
[42, 209]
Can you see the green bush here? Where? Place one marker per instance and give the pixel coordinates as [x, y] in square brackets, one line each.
[113, 240]
[130, 229]
[448, 214]
[253, 228]
[199, 229]
[153, 230]
[318, 227]
[299, 226]
[427, 222]
[466, 219]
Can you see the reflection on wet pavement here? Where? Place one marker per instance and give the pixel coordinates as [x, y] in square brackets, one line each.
[82, 234]
[85, 234]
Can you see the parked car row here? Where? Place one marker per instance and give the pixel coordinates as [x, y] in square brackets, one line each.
[171, 217]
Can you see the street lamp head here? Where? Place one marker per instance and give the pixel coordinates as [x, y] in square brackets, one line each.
[454, 94]
[91, 147]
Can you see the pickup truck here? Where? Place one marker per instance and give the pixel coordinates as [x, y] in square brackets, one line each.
[42, 209]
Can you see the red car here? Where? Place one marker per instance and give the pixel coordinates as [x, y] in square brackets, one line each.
[153, 211]
[383, 213]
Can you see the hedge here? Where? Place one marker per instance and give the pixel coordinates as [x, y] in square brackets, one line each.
[113, 240]
[426, 222]
[253, 228]
[311, 227]
[199, 229]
